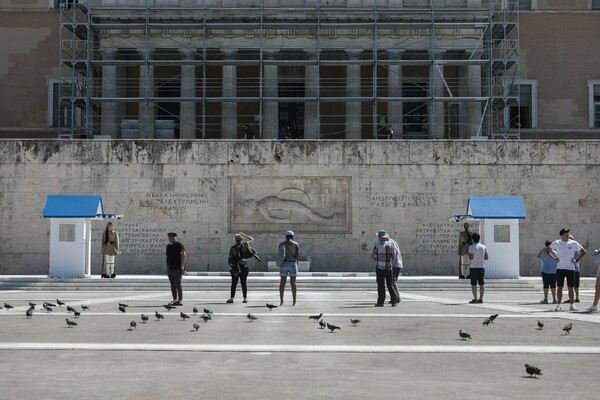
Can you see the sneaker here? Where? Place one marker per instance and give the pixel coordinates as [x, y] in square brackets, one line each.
[480, 301]
[554, 301]
[113, 276]
[281, 304]
[245, 301]
[378, 305]
[592, 309]
[295, 304]
[545, 301]
[576, 300]
[558, 308]
[394, 304]
[178, 303]
[230, 301]
[474, 301]
[572, 308]
[566, 301]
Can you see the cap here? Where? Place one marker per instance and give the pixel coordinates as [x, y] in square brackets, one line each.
[382, 235]
[171, 234]
[289, 234]
[563, 231]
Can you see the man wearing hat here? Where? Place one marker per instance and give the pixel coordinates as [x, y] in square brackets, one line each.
[175, 267]
[289, 254]
[384, 254]
[566, 260]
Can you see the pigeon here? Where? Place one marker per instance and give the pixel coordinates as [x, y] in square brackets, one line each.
[567, 328]
[169, 307]
[271, 306]
[144, 318]
[158, 315]
[70, 323]
[354, 322]
[84, 307]
[316, 318]
[70, 309]
[196, 326]
[122, 309]
[60, 303]
[322, 324]
[206, 317]
[195, 310]
[493, 317]
[540, 325]
[332, 327]
[207, 311]
[532, 371]
[49, 304]
[76, 314]
[8, 306]
[132, 325]
[464, 335]
[251, 317]
[47, 307]
[487, 321]
[123, 305]
[29, 313]
[184, 316]
[31, 304]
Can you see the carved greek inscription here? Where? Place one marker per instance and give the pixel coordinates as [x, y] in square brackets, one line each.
[406, 200]
[172, 201]
[439, 238]
[134, 238]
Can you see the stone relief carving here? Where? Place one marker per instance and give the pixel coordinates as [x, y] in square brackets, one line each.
[315, 204]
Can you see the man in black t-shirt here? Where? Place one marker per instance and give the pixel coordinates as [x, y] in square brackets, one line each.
[175, 267]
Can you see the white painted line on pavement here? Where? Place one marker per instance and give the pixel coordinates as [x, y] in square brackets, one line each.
[249, 348]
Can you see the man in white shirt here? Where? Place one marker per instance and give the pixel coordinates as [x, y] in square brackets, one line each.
[565, 248]
[477, 254]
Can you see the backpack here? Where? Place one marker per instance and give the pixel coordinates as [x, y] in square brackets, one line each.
[596, 256]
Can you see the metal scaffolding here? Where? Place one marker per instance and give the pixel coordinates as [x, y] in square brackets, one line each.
[336, 69]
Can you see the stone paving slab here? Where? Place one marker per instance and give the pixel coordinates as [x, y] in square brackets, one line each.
[412, 351]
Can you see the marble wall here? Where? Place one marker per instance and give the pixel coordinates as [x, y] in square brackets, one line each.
[334, 194]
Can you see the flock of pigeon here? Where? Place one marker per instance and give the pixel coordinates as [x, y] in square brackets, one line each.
[530, 369]
[207, 316]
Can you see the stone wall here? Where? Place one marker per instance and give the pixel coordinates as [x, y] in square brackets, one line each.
[334, 194]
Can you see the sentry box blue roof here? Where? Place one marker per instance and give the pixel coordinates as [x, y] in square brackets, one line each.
[496, 207]
[75, 206]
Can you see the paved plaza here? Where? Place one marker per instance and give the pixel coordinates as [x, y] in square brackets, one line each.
[412, 351]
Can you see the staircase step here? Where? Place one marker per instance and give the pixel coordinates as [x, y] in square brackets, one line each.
[262, 281]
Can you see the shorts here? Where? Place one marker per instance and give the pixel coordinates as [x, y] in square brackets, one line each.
[477, 275]
[549, 280]
[577, 279]
[561, 274]
[289, 268]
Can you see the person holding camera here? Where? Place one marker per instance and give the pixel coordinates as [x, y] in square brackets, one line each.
[109, 250]
[238, 265]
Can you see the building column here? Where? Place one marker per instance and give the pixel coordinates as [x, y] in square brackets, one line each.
[353, 109]
[311, 108]
[395, 107]
[108, 117]
[435, 109]
[147, 107]
[270, 125]
[187, 113]
[470, 113]
[229, 90]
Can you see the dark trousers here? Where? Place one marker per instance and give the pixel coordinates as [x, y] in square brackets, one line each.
[384, 278]
[242, 278]
[175, 280]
